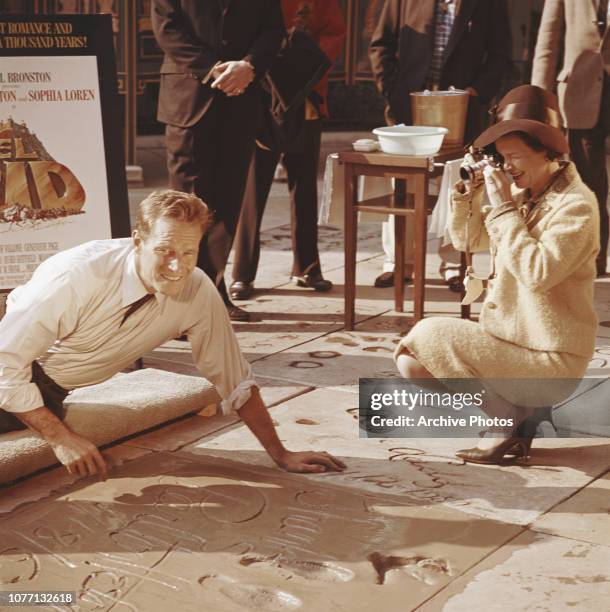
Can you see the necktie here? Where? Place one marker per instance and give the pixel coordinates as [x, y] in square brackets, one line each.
[136, 305]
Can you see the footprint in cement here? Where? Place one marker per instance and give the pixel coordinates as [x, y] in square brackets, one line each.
[305, 364]
[324, 354]
[425, 569]
[319, 571]
[306, 422]
[341, 340]
[377, 349]
[251, 596]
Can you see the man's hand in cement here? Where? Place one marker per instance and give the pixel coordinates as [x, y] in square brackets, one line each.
[309, 461]
[254, 414]
[79, 455]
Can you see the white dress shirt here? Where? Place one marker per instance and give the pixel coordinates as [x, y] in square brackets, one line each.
[68, 318]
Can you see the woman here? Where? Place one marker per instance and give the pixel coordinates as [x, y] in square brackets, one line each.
[538, 319]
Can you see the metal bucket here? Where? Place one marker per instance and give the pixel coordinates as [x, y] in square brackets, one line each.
[442, 109]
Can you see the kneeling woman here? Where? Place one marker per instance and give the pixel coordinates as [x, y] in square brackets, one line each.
[538, 319]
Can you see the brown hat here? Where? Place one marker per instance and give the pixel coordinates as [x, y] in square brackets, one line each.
[529, 109]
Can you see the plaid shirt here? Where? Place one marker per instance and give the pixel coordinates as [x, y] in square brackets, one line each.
[445, 11]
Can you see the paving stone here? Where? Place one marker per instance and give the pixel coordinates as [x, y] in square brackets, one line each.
[585, 516]
[533, 572]
[207, 534]
[186, 431]
[420, 470]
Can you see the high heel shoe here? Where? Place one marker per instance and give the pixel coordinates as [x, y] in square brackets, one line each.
[522, 438]
[510, 449]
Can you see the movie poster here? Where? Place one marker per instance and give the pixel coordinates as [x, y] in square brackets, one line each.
[53, 171]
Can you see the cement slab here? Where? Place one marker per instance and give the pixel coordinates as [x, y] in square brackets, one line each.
[179, 434]
[216, 535]
[584, 516]
[533, 572]
[57, 479]
[421, 471]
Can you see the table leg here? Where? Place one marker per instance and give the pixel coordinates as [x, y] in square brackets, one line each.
[399, 263]
[420, 181]
[351, 229]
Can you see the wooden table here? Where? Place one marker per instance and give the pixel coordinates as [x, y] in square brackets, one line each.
[415, 170]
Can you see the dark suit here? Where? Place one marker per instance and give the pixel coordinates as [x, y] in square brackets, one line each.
[323, 21]
[210, 136]
[478, 53]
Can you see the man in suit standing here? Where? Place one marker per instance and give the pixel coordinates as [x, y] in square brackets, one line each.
[215, 53]
[435, 44]
[582, 80]
[323, 21]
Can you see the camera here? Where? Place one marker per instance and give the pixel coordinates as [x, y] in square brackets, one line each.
[474, 164]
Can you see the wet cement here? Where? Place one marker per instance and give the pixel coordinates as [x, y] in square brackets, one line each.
[199, 533]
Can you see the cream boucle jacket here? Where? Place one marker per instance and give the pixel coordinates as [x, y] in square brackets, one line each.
[542, 295]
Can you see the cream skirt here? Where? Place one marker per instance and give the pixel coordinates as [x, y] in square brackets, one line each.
[457, 348]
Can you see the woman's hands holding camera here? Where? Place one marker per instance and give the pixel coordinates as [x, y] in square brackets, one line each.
[497, 185]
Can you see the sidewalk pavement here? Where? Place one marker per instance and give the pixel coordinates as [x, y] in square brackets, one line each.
[197, 517]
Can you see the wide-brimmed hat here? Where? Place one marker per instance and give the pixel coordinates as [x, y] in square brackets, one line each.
[529, 109]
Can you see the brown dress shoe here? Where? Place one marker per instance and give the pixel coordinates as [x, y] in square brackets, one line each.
[386, 279]
[238, 314]
[241, 290]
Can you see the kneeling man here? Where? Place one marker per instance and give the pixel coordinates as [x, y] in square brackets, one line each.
[92, 310]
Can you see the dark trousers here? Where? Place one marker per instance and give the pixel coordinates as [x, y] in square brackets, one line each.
[302, 169]
[211, 159]
[588, 151]
[53, 397]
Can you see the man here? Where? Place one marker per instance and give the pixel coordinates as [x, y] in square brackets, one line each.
[216, 51]
[435, 44]
[90, 311]
[323, 21]
[583, 87]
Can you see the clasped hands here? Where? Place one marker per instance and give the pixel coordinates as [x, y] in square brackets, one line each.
[232, 78]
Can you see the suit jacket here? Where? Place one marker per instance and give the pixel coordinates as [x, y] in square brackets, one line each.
[323, 21]
[568, 32]
[195, 34]
[478, 53]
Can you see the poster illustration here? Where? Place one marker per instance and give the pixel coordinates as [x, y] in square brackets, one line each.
[53, 184]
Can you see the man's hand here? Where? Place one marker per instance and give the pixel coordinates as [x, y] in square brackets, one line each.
[233, 77]
[79, 455]
[309, 462]
[497, 185]
[255, 416]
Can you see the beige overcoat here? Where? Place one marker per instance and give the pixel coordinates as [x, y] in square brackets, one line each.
[570, 58]
[542, 295]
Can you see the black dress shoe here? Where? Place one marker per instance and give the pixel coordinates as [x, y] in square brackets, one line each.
[386, 279]
[313, 281]
[238, 314]
[241, 290]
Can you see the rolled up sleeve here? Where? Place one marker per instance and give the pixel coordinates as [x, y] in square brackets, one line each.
[216, 351]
